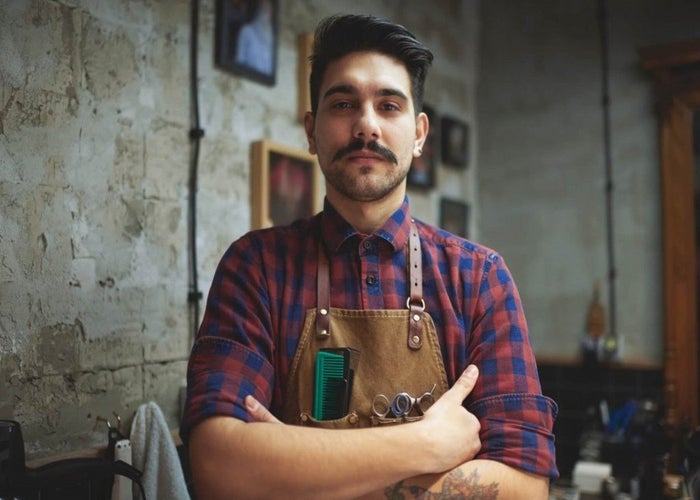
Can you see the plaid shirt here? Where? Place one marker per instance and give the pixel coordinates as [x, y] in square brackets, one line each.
[266, 281]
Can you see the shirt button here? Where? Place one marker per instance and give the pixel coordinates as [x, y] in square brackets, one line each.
[371, 279]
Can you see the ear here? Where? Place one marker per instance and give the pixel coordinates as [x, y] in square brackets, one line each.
[422, 128]
[309, 127]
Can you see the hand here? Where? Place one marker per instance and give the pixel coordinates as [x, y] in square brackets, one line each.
[452, 431]
[258, 413]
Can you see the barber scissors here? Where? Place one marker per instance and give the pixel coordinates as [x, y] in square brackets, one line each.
[402, 403]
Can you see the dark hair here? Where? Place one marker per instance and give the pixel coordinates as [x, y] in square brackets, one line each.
[340, 35]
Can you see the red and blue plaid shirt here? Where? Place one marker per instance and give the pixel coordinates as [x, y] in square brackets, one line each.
[266, 281]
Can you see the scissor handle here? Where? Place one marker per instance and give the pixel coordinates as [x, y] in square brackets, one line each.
[426, 400]
[380, 405]
[402, 404]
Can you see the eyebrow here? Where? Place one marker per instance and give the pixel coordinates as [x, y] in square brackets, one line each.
[350, 89]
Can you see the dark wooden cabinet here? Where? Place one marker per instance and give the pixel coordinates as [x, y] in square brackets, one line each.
[675, 69]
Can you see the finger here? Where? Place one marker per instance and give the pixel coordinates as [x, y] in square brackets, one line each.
[258, 413]
[463, 386]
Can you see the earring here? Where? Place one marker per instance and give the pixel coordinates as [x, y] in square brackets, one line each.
[419, 149]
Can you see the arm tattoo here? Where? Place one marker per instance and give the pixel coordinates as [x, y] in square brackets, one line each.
[455, 485]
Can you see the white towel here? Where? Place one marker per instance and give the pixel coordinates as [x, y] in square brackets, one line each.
[154, 453]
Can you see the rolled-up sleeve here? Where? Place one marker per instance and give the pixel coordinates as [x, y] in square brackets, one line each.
[517, 431]
[232, 355]
[516, 418]
[221, 374]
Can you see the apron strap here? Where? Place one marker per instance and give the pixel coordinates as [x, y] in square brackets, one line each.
[414, 303]
[323, 294]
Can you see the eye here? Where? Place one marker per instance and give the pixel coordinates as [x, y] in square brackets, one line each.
[342, 105]
[390, 106]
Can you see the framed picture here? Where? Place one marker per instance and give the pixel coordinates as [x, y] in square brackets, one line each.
[454, 217]
[422, 172]
[246, 38]
[284, 184]
[455, 142]
[305, 48]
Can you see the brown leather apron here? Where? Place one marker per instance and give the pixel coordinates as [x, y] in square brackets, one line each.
[398, 349]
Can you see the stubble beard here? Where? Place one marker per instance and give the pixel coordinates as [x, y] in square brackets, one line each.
[365, 184]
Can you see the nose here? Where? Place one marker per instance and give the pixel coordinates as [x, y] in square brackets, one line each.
[366, 126]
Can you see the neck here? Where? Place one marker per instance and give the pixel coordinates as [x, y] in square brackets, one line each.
[366, 216]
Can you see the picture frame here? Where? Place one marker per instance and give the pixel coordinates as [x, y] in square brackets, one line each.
[246, 38]
[454, 217]
[423, 169]
[455, 142]
[285, 183]
[305, 48]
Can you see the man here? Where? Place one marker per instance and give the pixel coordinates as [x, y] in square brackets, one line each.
[427, 312]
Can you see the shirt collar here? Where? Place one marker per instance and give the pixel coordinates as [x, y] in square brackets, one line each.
[336, 231]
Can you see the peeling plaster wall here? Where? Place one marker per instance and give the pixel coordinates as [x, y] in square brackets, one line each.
[94, 160]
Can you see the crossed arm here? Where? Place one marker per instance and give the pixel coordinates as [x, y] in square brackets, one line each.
[431, 458]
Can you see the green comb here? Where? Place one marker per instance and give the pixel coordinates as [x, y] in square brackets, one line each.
[330, 386]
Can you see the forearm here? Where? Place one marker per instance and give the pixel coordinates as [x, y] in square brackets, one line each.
[232, 459]
[482, 479]
[268, 459]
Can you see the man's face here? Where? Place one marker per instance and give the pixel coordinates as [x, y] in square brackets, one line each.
[365, 132]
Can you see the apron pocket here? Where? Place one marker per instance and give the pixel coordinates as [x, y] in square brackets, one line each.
[349, 421]
[375, 420]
